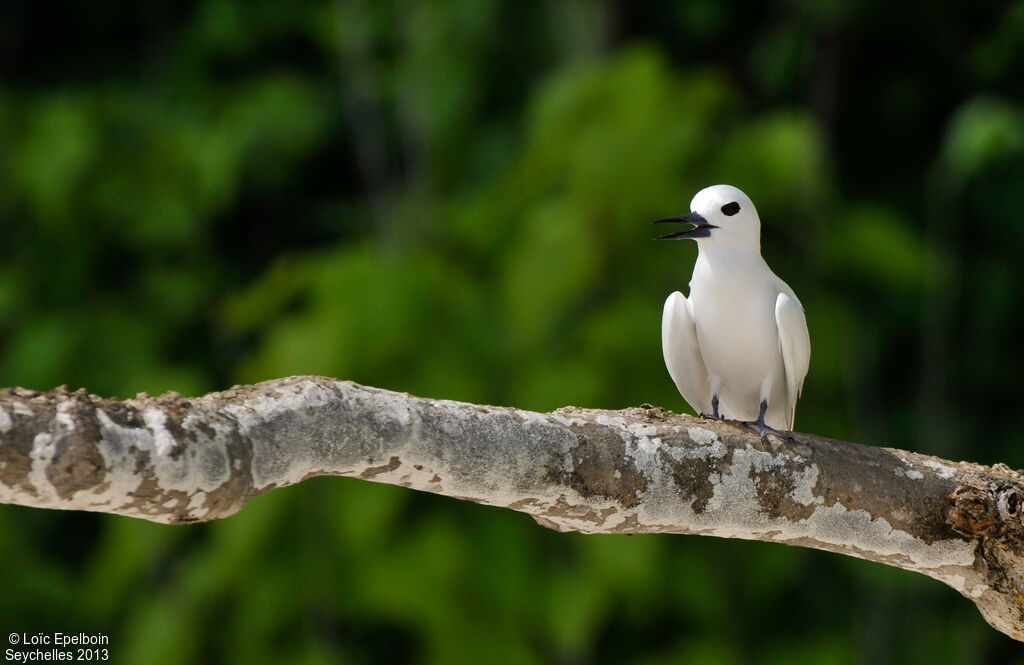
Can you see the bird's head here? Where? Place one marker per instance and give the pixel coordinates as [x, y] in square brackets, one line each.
[719, 215]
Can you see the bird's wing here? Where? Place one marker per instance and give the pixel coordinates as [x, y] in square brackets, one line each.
[682, 355]
[795, 344]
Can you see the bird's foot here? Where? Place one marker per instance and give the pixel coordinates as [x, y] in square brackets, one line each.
[764, 430]
[714, 415]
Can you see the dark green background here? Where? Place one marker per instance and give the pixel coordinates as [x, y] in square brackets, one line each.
[452, 199]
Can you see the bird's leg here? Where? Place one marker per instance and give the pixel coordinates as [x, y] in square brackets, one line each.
[761, 428]
[714, 409]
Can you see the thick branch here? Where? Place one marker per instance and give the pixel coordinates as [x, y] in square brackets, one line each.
[643, 470]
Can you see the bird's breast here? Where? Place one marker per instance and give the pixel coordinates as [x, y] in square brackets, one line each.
[734, 316]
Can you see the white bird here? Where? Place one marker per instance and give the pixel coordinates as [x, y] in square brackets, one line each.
[738, 347]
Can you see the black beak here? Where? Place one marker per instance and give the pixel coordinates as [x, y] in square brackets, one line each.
[701, 227]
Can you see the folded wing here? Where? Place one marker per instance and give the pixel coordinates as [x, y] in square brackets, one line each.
[795, 344]
[682, 355]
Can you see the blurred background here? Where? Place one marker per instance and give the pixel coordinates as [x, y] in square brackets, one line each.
[453, 199]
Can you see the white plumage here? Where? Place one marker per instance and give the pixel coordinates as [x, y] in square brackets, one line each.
[738, 347]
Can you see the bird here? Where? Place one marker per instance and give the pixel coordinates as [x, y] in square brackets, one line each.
[738, 347]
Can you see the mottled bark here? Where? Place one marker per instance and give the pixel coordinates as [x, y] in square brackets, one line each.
[642, 470]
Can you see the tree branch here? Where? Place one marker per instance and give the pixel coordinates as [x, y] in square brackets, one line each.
[641, 470]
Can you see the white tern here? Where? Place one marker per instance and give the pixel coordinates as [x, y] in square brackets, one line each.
[738, 347]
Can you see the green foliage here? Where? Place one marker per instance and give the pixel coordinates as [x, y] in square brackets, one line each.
[452, 199]
[982, 132]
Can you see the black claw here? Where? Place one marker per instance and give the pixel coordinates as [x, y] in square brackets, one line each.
[764, 430]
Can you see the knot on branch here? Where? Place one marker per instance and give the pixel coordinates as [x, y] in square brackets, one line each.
[988, 506]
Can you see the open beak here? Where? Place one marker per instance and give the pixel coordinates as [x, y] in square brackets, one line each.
[701, 227]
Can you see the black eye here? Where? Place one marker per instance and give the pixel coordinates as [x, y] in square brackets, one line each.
[730, 209]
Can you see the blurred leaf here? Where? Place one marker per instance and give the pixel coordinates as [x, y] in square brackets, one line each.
[781, 59]
[777, 160]
[576, 608]
[997, 54]
[826, 649]
[982, 131]
[38, 354]
[876, 244]
[706, 652]
[53, 158]
[550, 268]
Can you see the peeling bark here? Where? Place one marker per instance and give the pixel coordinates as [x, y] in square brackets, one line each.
[642, 470]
